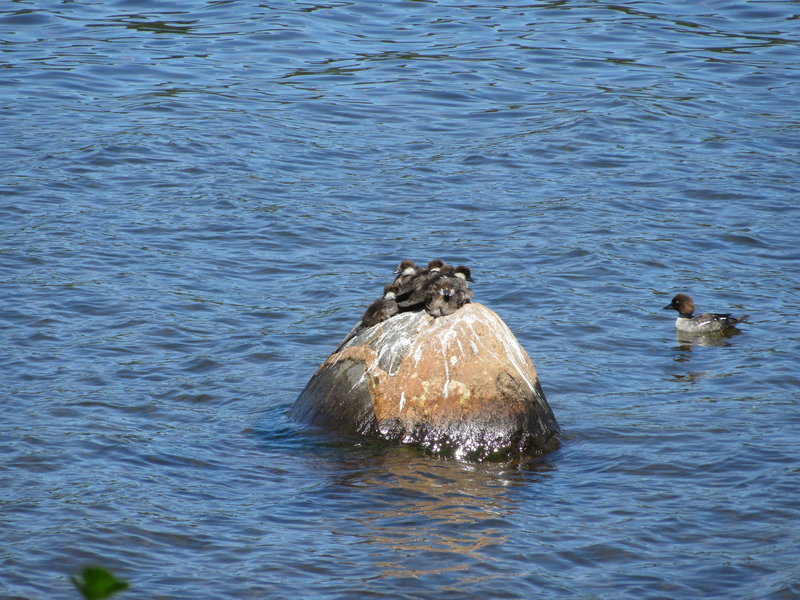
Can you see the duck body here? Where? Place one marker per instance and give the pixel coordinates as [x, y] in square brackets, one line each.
[383, 308]
[688, 322]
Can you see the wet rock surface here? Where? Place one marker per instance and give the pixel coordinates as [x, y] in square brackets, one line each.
[457, 385]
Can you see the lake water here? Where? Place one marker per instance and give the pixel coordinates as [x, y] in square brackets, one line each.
[198, 199]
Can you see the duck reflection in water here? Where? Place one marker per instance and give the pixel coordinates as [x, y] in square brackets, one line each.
[687, 343]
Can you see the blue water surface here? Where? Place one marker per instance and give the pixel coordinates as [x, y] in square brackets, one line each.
[198, 199]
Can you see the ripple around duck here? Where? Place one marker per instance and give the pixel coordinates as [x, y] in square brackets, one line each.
[200, 203]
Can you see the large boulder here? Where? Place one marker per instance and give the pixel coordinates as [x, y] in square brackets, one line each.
[456, 385]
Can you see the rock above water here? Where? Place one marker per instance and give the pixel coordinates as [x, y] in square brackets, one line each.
[457, 385]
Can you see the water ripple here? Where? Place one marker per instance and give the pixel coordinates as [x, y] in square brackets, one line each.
[199, 200]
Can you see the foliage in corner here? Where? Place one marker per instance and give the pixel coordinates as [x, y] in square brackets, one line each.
[97, 583]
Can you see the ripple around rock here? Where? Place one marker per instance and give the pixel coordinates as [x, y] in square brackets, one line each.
[459, 385]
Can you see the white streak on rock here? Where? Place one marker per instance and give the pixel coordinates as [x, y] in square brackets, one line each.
[418, 349]
[513, 350]
[446, 390]
[359, 381]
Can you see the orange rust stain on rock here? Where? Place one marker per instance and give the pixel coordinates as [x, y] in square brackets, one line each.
[362, 354]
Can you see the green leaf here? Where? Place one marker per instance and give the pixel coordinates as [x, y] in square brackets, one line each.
[97, 583]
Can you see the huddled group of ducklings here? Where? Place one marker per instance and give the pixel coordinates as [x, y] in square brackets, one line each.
[439, 289]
